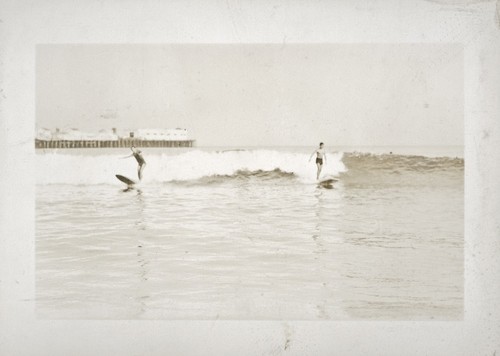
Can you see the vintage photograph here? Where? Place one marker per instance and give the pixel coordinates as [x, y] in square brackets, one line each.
[285, 181]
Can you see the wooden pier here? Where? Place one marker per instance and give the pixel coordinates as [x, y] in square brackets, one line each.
[128, 142]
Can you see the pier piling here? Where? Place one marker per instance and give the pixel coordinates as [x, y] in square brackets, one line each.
[120, 143]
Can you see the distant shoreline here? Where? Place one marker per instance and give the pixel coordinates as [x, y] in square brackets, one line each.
[426, 151]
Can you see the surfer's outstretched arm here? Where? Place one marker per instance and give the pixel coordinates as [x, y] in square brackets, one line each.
[134, 150]
[312, 154]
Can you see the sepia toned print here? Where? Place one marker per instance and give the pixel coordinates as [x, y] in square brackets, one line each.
[176, 182]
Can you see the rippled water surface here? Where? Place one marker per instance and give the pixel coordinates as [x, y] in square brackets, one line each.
[250, 236]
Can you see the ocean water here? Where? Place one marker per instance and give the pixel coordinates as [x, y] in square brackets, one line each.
[224, 233]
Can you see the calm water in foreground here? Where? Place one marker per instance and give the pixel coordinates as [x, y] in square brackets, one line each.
[248, 234]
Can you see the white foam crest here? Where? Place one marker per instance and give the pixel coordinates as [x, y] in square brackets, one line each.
[53, 168]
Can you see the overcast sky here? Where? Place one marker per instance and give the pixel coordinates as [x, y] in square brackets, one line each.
[258, 95]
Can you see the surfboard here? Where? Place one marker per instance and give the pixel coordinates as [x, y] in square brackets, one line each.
[125, 180]
[327, 181]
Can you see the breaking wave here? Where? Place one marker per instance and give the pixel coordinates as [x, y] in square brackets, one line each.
[196, 165]
[208, 167]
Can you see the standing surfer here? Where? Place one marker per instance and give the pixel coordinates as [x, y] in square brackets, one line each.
[320, 156]
[140, 160]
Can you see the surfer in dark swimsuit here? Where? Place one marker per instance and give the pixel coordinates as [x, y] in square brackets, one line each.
[140, 160]
[320, 156]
